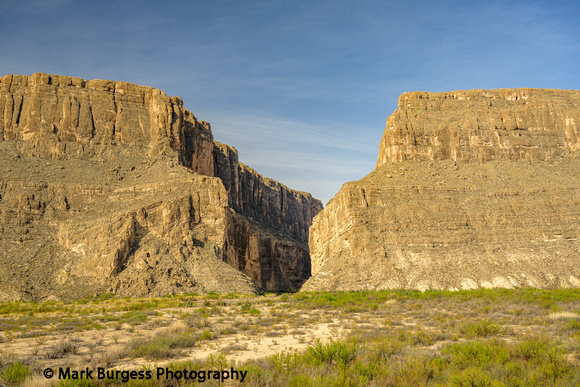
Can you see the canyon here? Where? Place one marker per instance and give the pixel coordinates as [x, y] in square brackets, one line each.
[111, 187]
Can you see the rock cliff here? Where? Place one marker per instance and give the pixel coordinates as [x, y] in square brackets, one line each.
[61, 117]
[113, 187]
[264, 200]
[472, 189]
[270, 241]
[483, 125]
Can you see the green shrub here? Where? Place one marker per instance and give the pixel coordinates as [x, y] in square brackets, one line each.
[422, 338]
[133, 317]
[386, 348]
[471, 377]
[573, 325]
[481, 329]
[206, 335]
[15, 374]
[478, 353]
[246, 306]
[334, 352]
[156, 348]
[286, 362]
[161, 346]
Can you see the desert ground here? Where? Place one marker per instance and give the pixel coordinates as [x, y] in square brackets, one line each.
[465, 338]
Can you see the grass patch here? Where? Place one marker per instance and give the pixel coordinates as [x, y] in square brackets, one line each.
[390, 362]
[382, 338]
[481, 329]
[161, 346]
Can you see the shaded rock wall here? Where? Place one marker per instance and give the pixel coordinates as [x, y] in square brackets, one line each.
[274, 261]
[269, 241]
[264, 200]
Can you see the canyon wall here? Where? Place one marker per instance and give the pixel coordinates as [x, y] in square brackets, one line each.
[472, 189]
[482, 125]
[112, 187]
[264, 200]
[269, 242]
[60, 117]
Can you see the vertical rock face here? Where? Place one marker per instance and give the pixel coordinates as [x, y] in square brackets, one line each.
[472, 189]
[269, 242]
[482, 125]
[264, 200]
[112, 187]
[61, 117]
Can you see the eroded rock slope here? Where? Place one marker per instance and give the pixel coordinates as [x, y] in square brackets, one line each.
[112, 187]
[472, 189]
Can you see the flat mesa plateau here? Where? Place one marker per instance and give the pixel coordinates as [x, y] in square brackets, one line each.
[387, 338]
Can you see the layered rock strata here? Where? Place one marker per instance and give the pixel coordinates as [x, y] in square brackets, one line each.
[270, 241]
[483, 125]
[61, 117]
[113, 187]
[472, 189]
[264, 200]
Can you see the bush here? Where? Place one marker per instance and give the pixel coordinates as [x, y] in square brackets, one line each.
[471, 377]
[386, 348]
[531, 350]
[481, 329]
[478, 353]
[334, 352]
[573, 325]
[160, 346]
[246, 306]
[15, 374]
[61, 350]
[206, 335]
[155, 348]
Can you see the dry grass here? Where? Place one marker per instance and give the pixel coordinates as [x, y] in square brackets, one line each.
[350, 338]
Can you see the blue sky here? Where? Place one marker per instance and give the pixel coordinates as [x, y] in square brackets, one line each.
[301, 88]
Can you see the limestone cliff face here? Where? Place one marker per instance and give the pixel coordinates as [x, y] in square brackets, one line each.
[505, 217]
[264, 200]
[272, 260]
[113, 187]
[61, 117]
[482, 125]
[269, 241]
